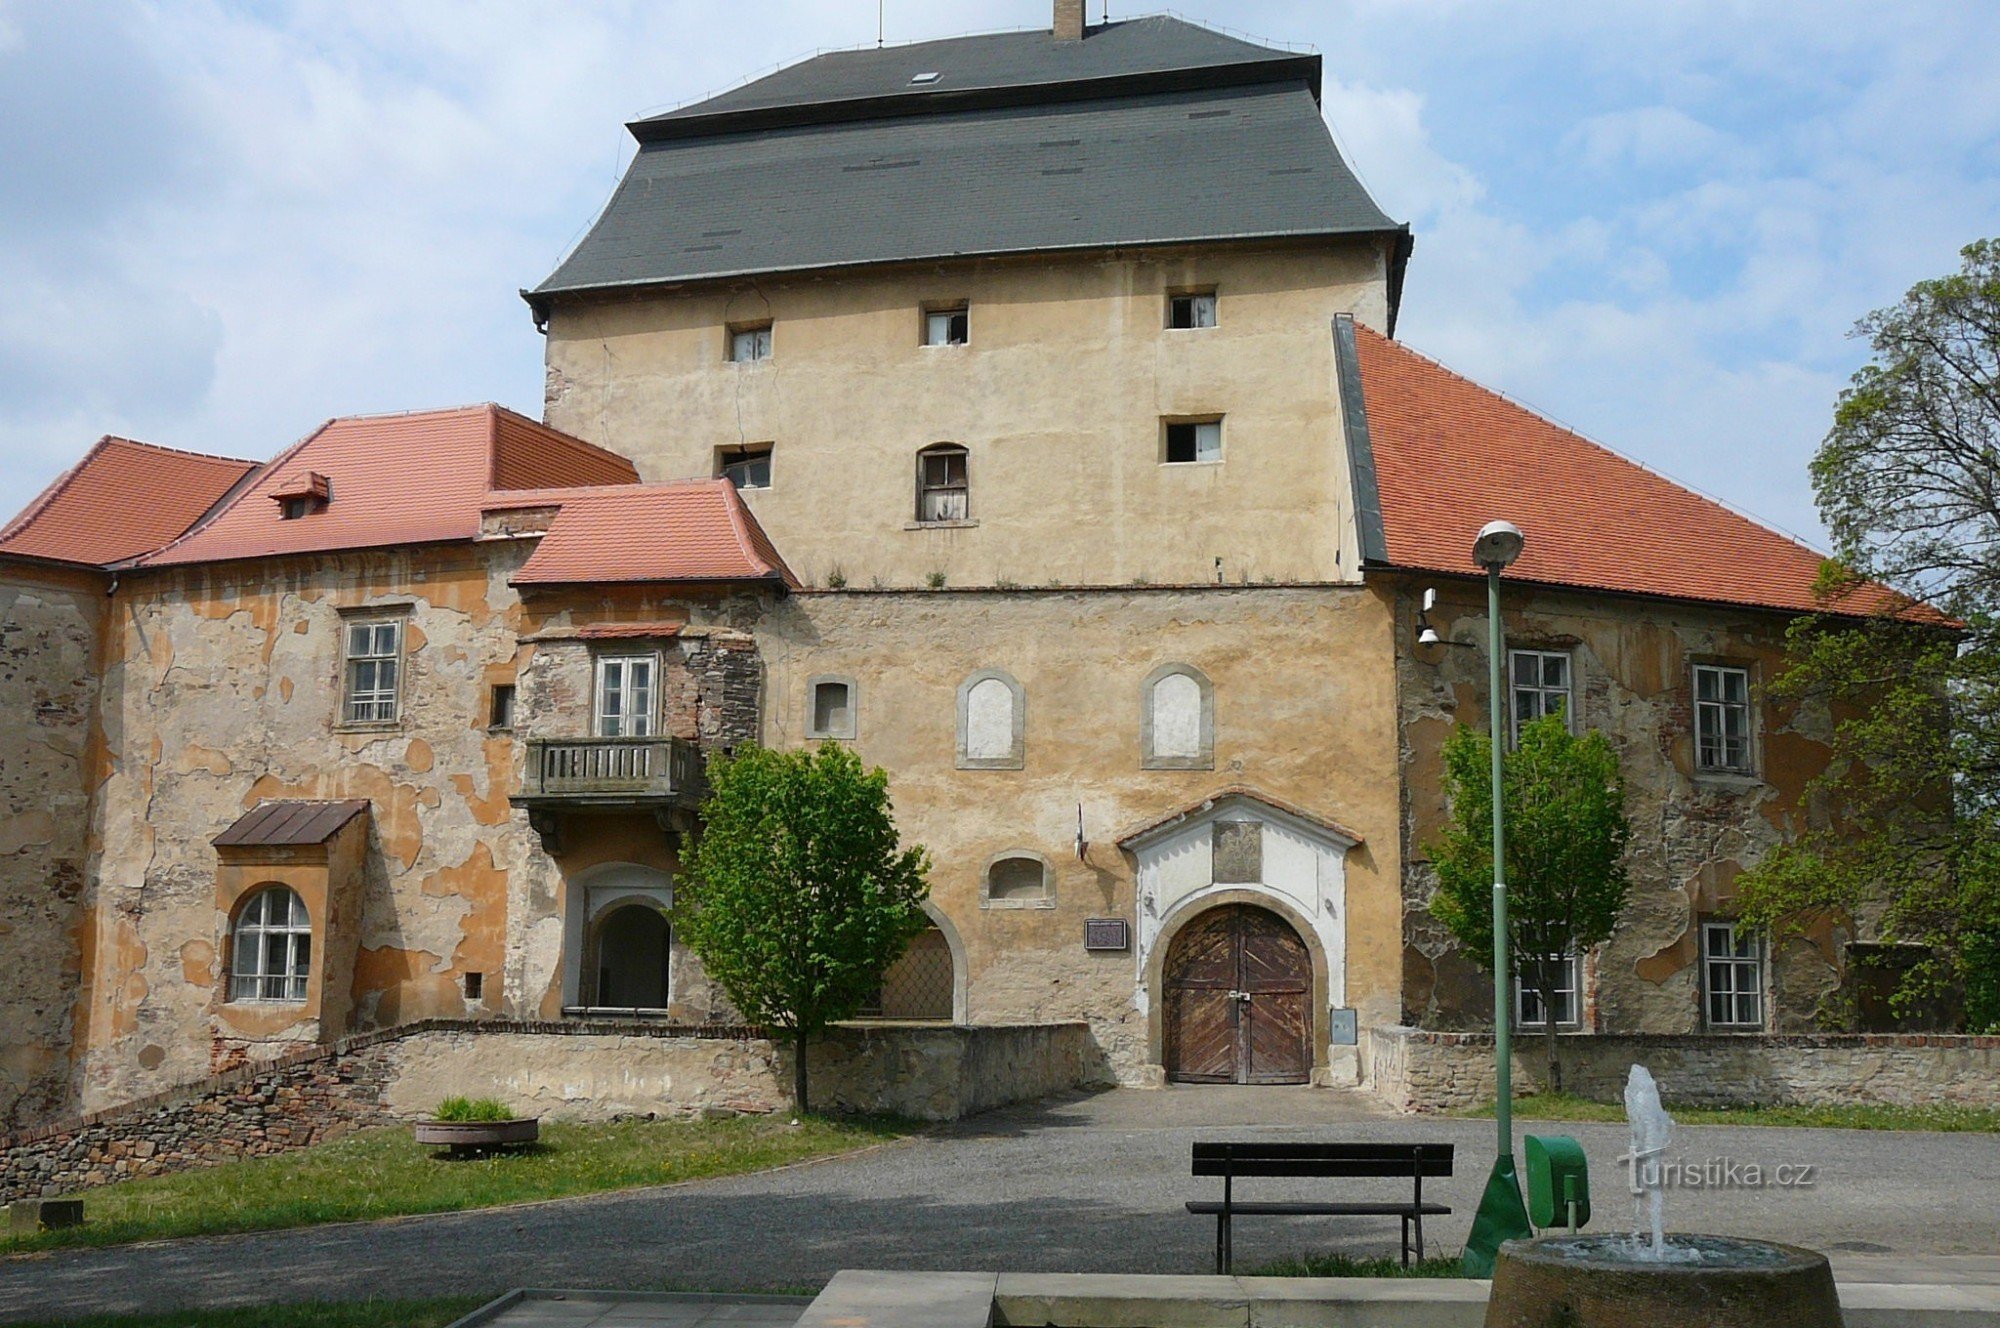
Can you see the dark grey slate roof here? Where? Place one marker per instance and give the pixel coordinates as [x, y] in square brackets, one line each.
[282, 823]
[1165, 133]
[857, 84]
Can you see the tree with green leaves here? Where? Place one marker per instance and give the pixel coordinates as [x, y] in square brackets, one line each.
[1564, 800]
[1908, 483]
[797, 893]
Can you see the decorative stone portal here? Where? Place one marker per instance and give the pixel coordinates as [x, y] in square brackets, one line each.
[1287, 869]
[1238, 1000]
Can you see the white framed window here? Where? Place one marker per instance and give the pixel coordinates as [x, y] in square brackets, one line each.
[1532, 1007]
[943, 489]
[627, 695]
[750, 343]
[948, 325]
[1732, 975]
[1191, 309]
[830, 707]
[371, 671]
[745, 467]
[1540, 680]
[270, 949]
[1722, 718]
[1189, 441]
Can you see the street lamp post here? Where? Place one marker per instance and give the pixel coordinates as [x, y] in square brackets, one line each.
[1502, 1216]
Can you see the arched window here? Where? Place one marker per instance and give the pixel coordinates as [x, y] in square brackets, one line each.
[942, 491]
[992, 722]
[1020, 879]
[271, 948]
[634, 956]
[1177, 719]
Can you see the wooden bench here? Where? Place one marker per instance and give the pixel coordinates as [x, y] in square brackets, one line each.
[1331, 1161]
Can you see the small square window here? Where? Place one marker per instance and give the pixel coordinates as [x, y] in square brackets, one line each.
[299, 505]
[1541, 686]
[1194, 440]
[746, 467]
[475, 986]
[1531, 1010]
[1192, 309]
[831, 708]
[750, 343]
[950, 326]
[500, 707]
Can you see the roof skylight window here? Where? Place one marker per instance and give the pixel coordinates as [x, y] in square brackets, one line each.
[929, 76]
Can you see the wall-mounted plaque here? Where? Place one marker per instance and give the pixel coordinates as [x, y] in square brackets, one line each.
[1107, 934]
[1342, 1029]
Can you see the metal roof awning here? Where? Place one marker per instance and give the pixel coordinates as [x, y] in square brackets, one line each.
[290, 824]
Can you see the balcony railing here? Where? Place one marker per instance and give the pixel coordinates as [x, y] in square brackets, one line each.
[612, 769]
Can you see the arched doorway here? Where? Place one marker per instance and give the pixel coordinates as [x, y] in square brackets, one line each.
[1238, 985]
[920, 984]
[631, 972]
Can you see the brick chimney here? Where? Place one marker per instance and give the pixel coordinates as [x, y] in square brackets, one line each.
[1069, 20]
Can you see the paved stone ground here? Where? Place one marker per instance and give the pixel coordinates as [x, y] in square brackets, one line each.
[584, 1310]
[1090, 1184]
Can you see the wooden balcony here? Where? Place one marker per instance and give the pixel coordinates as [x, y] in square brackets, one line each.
[611, 774]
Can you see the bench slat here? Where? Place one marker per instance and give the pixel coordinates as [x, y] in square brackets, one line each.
[1328, 1161]
[1335, 1152]
[1281, 1208]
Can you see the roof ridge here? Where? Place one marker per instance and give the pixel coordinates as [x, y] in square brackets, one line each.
[732, 503]
[179, 451]
[237, 493]
[1693, 491]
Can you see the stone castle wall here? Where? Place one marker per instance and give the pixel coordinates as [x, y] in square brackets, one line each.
[565, 1071]
[51, 624]
[1415, 1069]
[1693, 833]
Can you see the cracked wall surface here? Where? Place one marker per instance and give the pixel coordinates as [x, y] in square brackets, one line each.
[51, 625]
[1693, 833]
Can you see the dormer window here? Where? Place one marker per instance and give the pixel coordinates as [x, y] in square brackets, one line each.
[302, 495]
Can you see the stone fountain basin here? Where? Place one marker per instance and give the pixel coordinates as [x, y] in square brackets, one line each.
[1596, 1281]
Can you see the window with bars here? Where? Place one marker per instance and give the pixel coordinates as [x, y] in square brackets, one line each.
[1732, 966]
[1189, 441]
[750, 343]
[919, 985]
[270, 952]
[948, 325]
[626, 695]
[1191, 309]
[943, 493]
[1531, 1007]
[371, 676]
[1722, 718]
[1541, 686]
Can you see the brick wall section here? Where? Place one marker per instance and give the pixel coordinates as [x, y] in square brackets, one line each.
[573, 1069]
[1422, 1070]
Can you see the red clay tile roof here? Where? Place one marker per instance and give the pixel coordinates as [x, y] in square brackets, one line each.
[123, 499]
[395, 479]
[695, 530]
[1451, 456]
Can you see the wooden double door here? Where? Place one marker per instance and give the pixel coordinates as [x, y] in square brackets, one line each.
[1238, 1000]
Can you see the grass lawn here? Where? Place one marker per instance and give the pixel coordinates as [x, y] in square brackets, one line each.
[385, 1173]
[364, 1314]
[1342, 1265]
[1859, 1116]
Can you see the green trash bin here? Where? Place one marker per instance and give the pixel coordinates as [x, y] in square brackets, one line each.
[1558, 1182]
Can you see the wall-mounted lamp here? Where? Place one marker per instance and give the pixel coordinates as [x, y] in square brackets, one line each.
[1427, 634]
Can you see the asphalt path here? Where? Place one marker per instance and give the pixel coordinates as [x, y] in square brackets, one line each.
[1085, 1184]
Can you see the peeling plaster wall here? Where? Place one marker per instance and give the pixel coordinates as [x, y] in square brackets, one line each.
[51, 628]
[1631, 662]
[1304, 711]
[222, 689]
[1058, 399]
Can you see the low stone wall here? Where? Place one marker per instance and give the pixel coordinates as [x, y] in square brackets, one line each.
[573, 1071]
[593, 1072]
[1420, 1070]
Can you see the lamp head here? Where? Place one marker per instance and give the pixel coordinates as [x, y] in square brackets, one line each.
[1498, 545]
[1428, 636]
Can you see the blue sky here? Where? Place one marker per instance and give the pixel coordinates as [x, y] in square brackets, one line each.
[222, 223]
